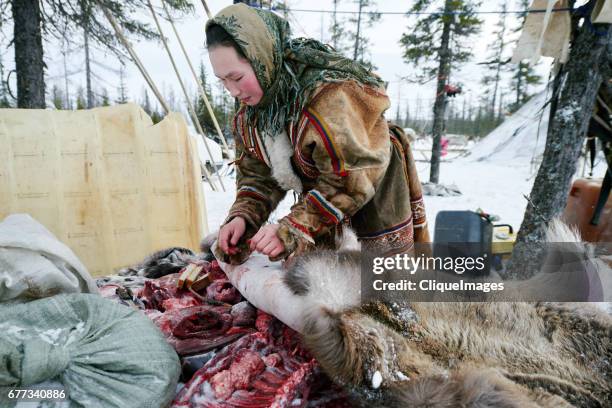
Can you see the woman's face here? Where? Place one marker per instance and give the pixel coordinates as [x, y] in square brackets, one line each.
[236, 74]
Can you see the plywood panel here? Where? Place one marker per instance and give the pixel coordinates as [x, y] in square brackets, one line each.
[106, 181]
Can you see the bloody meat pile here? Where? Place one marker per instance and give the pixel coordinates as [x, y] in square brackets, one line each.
[233, 355]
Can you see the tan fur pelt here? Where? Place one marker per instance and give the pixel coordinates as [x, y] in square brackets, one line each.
[441, 355]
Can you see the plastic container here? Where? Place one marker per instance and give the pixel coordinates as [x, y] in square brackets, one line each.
[460, 234]
[579, 211]
[105, 181]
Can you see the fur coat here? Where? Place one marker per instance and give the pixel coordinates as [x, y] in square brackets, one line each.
[348, 166]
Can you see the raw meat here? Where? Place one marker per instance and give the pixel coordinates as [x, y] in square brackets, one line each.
[163, 294]
[233, 355]
[223, 291]
[269, 368]
[244, 314]
[198, 329]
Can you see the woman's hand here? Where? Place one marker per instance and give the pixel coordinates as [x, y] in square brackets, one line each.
[230, 234]
[267, 242]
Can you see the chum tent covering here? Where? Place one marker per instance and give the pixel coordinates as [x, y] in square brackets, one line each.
[545, 34]
[105, 354]
[106, 181]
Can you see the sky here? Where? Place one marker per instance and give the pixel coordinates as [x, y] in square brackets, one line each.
[384, 38]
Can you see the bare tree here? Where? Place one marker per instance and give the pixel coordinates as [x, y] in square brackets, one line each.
[496, 61]
[574, 94]
[337, 31]
[524, 75]
[122, 90]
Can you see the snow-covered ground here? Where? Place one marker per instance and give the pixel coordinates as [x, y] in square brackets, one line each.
[495, 176]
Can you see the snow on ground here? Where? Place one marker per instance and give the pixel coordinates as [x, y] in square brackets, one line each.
[215, 148]
[497, 188]
[218, 203]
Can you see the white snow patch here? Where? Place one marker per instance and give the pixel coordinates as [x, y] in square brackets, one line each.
[215, 149]
[51, 336]
[567, 113]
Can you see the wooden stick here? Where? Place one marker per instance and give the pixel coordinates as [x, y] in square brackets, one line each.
[195, 76]
[145, 74]
[192, 112]
[207, 10]
[135, 58]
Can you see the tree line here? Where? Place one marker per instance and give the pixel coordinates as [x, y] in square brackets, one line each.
[435, 44]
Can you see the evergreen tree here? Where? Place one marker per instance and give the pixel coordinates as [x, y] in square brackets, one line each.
[524, 77]
[81, 103]
[494, 64]
[146, 102]
[4, 94]
[171, 100]
[477, 126]
[398, 116]
[37, 20]
[122, 90]
[337, 31]
[223, 108]
[407, 117]
[357, 37]
[435, 45]
[105, 100]
[156, 116]
[252, 3]
[148, 107]
[57, 98]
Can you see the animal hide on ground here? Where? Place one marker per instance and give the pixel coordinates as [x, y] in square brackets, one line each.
[436, 355]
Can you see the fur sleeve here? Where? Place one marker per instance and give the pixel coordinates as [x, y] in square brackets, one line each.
[257, 192]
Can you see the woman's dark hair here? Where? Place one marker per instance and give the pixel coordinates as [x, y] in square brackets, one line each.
[217, 36]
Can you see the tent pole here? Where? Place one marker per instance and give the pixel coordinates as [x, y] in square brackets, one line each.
[144, 73]
[192, 112]
[207, 9]
[135, 58]
[200, 85]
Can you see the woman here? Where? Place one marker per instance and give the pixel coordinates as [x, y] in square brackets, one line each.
[310, 121]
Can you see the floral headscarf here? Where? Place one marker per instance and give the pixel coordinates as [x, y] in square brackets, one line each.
[287, 69]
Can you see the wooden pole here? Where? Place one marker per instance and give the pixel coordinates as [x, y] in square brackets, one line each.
[135, 58]
[195, 76]
[207, 10]
[192, 112]
[145, 74]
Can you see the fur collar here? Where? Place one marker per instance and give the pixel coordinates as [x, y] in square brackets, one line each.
[279, 151]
